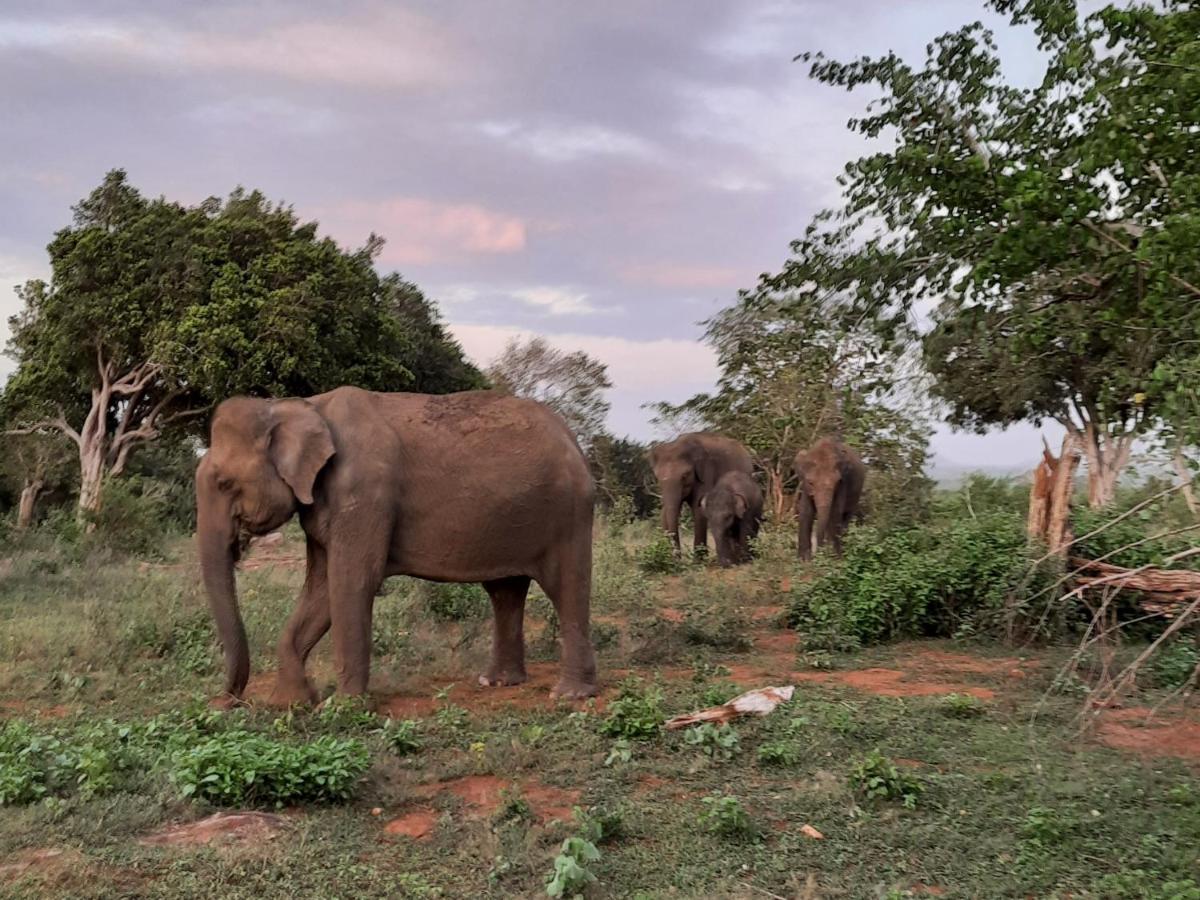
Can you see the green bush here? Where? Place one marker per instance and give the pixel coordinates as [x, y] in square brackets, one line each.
[455, 602]
[724, 815]
[931, 580]
[1174, 665]
[134, 514]
[717, 742]
[1139, 529]
[878, 778]
[237, 767]
[636, 713]
[658, 557]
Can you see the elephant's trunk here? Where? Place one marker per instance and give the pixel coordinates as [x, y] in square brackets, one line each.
[824, 521]
[672, 501]
[217, 534]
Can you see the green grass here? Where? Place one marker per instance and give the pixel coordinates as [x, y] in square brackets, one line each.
[1008, 800]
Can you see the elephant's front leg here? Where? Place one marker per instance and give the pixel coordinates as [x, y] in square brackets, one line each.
[307, 625]
[355, 571]
[806, 512]
[508, 633]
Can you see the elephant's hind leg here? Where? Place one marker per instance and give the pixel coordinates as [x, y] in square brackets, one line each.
[508, 631]
[568, 584]
[306, 626]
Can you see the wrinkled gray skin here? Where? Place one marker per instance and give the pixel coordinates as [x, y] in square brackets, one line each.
[687, 468]
[734, 512]
[469, 487]
[831, 481]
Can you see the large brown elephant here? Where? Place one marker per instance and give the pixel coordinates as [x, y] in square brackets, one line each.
[733, 509]
[687, 468]
[831, 481]
[469, 487]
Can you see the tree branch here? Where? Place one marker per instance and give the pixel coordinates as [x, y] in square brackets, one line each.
[58, 423]
[1112, 239]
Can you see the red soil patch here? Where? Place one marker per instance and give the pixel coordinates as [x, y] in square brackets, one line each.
[48, 862]
[942, 661]
[20, 707]
[928, 890]
[417, 825]
[1135, 731]
[242, 827]
[669, 614]
[895, 683]
[766, 613]
[481, 794]
[778, 642]
[648, 784]
[467, 692]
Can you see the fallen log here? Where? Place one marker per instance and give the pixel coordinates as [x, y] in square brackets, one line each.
[1162, 590]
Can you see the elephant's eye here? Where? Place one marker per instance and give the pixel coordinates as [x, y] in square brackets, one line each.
[224, 484]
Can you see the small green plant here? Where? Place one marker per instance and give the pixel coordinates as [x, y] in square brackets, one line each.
[455, 602]
[599, 824]
[342, 713]
[452, 718]
[724, 815]
[718, 742]
[779, 753]
[719, 693]
[571, 874]
[400, 736]
[659, 557]
[1175, 665]
[877, 778]
[1043, 827]
[961, 706]
[636, 714]
[238, 767]
[621, 753]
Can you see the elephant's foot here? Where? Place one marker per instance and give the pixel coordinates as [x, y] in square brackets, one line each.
[292, 693]
[226, 701]
[573, 689]
[503, 678]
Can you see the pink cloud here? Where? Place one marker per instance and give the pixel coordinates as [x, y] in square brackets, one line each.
[682, 275]
[424, 231]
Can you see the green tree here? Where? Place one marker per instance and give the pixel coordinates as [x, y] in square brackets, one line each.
[572, 384]
[622, 471]
[791, 372]
[155, 310]
[1054, 226]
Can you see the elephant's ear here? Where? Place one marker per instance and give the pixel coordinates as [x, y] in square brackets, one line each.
[740, 506]
[301, 444]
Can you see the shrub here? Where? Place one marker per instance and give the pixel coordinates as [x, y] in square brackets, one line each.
[918, 581]
[134, 513]
[659, 558]
[237, 767]
[636, 714]
[725, 816]
[571, 874]
[455, 602]
[961, 706]
[400, 735]
[347, 713]
[1175, 664]
[717, 742]
[779, 753]
[878, 778]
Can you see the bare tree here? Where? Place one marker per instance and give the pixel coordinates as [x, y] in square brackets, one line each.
[572, 384]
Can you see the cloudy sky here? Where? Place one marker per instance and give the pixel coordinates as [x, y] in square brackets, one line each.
[606, 174]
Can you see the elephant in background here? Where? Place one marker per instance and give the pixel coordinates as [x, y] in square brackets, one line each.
[687, 468]
[734, 511]
[468, 487]
[831, 482]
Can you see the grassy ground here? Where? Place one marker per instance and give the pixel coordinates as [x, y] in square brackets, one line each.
[989, 789]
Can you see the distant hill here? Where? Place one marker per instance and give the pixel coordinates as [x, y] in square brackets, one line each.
[950, 473]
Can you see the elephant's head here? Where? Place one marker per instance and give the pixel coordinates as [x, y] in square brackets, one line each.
[675, 471]
[263, 460]
[819, 471]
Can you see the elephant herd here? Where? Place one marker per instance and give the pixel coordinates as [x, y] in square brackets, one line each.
[713, 475]
[475, 487]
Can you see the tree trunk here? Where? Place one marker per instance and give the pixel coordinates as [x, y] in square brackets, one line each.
[780, 508]
[28, 502]
[91, 477]
[1186, 478]
[1107, 457]
[1050, 498]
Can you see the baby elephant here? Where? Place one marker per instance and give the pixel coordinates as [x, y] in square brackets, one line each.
[733, 508]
